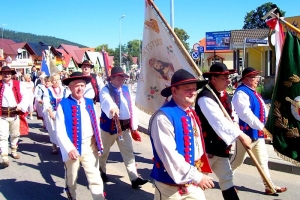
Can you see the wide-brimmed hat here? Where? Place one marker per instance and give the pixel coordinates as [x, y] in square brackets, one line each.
[76, 76]
[182, 77]
[117, 71]
[218, 69]
[249, 71]
[8, 69]
[86, 62]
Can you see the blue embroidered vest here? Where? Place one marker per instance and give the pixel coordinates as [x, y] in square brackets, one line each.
[184, 141]
[106, 124]
[73, 122]
[256, 109]
[53, 101]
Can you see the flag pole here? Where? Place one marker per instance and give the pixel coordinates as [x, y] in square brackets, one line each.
[194, 66]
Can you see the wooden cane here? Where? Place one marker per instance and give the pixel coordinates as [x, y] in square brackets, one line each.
[197, 70]
[119, 129]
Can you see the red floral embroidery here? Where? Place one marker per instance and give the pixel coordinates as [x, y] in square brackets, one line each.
[261, 113]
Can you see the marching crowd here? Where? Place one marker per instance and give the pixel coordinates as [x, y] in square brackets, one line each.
[191, 135]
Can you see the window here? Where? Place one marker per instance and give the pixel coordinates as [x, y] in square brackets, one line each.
[23, 55]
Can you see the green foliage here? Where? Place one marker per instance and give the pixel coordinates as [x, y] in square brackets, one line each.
[104, 47]
[28, 37]
[266, 93]
[253, 19]
[183, 36]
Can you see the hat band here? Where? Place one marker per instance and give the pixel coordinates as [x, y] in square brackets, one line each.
[187, 80]
[117, 74]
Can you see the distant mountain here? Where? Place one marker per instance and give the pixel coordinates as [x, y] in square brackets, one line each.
[29, 37]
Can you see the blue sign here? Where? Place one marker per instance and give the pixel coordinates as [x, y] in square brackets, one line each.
[256, 41]
[200, 49]
[218, 40]
[195, 55]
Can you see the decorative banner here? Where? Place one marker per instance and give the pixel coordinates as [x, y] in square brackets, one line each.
[284, 116]
[161, 57]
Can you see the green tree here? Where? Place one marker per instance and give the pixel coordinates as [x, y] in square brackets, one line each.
[253, 19]
[183, 36]
[105, 47]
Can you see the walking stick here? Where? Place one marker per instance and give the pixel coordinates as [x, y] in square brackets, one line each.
[197, 70]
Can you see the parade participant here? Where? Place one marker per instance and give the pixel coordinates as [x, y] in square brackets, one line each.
[39, 92]
[252, 113]
[92, 89]
[52, 97]
[176, 137]
[116, 104]
[29, 86]
[34, 74]
[13, 100]
[219, 132]
[78, 136]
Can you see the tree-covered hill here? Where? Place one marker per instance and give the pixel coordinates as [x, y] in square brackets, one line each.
[28, 37]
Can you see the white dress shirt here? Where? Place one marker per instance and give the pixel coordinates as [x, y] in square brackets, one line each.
[163, 136]
[241, 103]
[8, 99]
[224, 128]
[107, 103]
[89, 90]
[64, 141]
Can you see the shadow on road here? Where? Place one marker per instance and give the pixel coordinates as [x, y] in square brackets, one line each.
[12, 189]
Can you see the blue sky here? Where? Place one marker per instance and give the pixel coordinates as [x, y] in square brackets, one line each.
[96, 22]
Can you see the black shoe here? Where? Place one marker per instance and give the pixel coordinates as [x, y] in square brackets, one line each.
[137, 182]
[104, 177]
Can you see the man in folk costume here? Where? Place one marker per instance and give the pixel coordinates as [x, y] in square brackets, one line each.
[13, 101]
[78, 136]
[218, 131]
[92, 89]
[252, 113]
[51, 99]
[118, 113]
[180, 162]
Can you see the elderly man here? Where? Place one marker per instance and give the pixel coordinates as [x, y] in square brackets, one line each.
[78, 135]
[13, 100]
[252, 112]
[179, 155]
[118, 120]
[92, 89]
[219, 131]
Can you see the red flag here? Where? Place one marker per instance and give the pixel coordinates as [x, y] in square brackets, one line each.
[274, 24]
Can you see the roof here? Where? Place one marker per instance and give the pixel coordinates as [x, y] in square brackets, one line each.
[5, 45]
[93, 56]
[70, 49]
[88, 49]
[210, 57]
[135, 60]
[238, 36]
[39, 47]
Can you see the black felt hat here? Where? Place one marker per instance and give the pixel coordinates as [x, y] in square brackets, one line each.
[117, 71]
[86, 62]
[182, 77]
[8, 69]
[76, 76]
[249, 71]
[218, 69]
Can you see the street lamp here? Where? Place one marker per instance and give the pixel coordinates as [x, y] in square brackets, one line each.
[120, 39]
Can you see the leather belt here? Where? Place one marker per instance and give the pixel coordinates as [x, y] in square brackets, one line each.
[125, 124]
[9, 112]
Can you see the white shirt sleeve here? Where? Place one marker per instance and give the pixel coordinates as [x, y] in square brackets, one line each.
[241, 104]
[100, 83]
[162, 133]
[64, 141]
[217, 120]
[107, 102]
